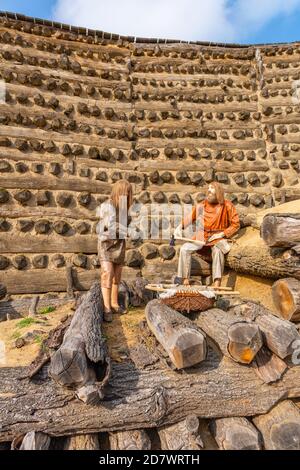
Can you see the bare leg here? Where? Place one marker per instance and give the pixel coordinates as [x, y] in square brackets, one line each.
[106, 287]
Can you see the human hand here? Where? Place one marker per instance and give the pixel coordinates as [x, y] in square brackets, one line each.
[216, 236]
[178, 232]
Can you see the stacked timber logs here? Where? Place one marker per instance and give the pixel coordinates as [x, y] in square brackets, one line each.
[85, 109]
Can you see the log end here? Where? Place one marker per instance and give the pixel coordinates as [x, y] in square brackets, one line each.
[188, 350]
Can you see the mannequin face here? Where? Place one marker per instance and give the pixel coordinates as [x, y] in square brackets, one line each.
[211, 195]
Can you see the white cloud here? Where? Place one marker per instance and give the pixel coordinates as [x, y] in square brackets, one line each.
[206, 20]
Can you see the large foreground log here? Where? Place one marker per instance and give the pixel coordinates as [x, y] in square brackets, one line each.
[236, 434]
[179, 336]
[250, 255]
[181, 436]
[281, 230]
[238, 339]
[286, 298]
[82, 442]
[279, 335]
[280, 427]
[83, 355]
[139, 398]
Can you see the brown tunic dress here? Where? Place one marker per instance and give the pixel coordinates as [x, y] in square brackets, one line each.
[110, 249]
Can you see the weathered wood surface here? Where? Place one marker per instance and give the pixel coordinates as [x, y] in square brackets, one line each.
[32, 441]
[238, 339]
[250, 255]
[280, 427]
[236, 434]
[129, 440]
[182, 340]
[139, 398]
[279, 335]
[281, 230]
[268, 366]
[184, 435]
[83, 355]
[286, 298]
[3, 291]
[38, 281]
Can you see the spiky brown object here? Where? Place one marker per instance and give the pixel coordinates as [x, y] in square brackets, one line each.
[189, 302]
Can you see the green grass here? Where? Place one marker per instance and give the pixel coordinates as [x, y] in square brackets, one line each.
[46, 310]
[25, 322]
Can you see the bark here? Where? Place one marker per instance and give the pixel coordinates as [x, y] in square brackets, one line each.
[250, 255]
[282, 230]
[139, 398]
[280, 427]
[181, 339]
[236, 434]
[286, 298]
[2, 291]
[238, 339]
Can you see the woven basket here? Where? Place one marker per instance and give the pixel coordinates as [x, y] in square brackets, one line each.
[189, 302]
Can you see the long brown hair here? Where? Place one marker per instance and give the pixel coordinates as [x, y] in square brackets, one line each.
[219, 192]
[121, 188]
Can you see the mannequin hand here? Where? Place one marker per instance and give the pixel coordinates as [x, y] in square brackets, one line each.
[216, 236]
[178, 232]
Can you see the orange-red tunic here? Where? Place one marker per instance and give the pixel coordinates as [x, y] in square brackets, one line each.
[216, 218]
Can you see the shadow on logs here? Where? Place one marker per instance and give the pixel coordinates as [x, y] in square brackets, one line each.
[82, 362]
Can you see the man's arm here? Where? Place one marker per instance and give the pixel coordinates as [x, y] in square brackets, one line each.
[234, 221]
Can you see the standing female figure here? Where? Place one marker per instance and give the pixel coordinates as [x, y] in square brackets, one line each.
[112, 233]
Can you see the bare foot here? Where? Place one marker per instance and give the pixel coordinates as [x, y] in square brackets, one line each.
[217, 283]
[186, 282]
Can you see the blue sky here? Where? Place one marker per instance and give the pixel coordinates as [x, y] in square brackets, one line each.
[244, 21]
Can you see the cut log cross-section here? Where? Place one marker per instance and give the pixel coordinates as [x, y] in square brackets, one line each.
[236, 434]
[82, 442]
[83, 354]
[181, 339]
[282, 230]
[280, 427]
[286, 298]
[238, 339]
[181, 436]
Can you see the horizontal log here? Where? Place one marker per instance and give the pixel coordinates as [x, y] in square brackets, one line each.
[213, 389]
[38, 281]
[48, 244]
[282, 230]
[250, 255]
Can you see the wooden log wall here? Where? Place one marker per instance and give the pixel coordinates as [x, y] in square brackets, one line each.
[84, 109]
